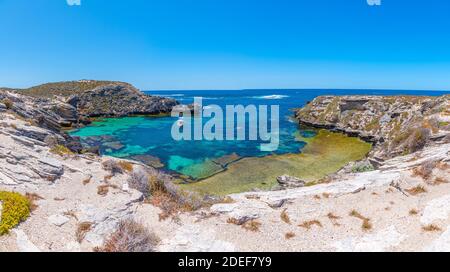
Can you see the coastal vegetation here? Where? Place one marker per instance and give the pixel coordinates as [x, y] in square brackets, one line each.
[65, 88]
[8, 103]
[398, 125]
[309, 224]
[61, 150]
[130, 236]
[15, 209]
[366, 224]
[431, 228]
[82, 229]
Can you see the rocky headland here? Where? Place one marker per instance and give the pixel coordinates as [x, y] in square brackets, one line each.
[396, 125]
[118, 100]
[79, 201]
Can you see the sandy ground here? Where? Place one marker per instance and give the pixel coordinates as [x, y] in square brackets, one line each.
[393, 226]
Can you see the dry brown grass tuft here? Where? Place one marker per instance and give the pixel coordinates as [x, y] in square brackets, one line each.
[289, 235]
[355, 213]
[431, 124]
[425, 171]
[107, 178]
[171, 199]
[285, 217]
[32, 198]
[366, 224]
[308, 224]
[112, 166]
[71, 214]
[419, 189]
[443, 166]
[104, 189]
[317, 197]
[233, 221]
[412, 140]
[334, 219]
[82, 229]
[126, 166]
[413, 212]
[130, 236]
[431, 228]
[438, 181]
[252, 225]
[326, 195]
[8, 103]
[140, 180]
[331, 216]
[87, 181]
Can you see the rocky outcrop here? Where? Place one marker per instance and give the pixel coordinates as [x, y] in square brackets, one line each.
[39, 111]
[66, 188]
[22, 154]
[47, 117]
[395, 124]
[119, 99]
[286, 182]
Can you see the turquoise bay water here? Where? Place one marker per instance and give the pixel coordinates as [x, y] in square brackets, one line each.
[149, 138]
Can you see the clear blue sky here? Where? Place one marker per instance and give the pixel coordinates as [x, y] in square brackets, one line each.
[228, 44]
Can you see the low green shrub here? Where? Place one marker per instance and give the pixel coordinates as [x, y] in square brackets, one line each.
[15, 209]
[61, 150]
[363, 167]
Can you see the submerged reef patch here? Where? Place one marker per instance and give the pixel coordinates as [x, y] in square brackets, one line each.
[324, 154]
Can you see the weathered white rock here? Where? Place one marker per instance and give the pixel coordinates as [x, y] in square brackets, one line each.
[73, 247]
[6, 180]
[241, 212]
[353, 184]
[191, 238]
[58, 220]
[50, 168]
[378, 242]
[436, 209]
[2, 107]
[286, 181]
[23, 243]
[441, 244]
[104, 218]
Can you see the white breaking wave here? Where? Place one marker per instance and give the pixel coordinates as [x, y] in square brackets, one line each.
[274, 96]
[173, 95]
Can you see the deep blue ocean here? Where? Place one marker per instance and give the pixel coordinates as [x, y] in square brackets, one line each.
[136, 136]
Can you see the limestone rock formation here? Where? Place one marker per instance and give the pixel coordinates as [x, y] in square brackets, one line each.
[119, 99]
[398, 125]
[286, 181]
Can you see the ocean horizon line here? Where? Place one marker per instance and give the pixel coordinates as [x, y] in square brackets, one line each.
[292, 89]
